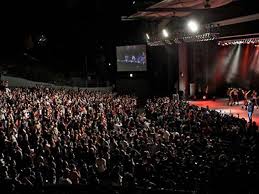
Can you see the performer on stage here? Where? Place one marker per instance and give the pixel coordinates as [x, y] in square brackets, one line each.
[254, 98]
[245, 94]
[233, 96]
[250, 110]
[230, 99]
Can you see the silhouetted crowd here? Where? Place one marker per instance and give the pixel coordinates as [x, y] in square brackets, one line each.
[50, 136]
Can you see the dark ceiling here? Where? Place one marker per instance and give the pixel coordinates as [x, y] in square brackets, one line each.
[65, 19]
[73, 29]
[78, 28]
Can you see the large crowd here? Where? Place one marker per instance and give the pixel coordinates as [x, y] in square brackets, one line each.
[50, 136]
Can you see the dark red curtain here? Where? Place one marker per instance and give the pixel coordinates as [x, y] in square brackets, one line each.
[236, 65]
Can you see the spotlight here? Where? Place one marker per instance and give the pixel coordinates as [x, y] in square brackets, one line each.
[147, 36]
[193, 26]
[165, 33]
[109, 64]
[131, 74]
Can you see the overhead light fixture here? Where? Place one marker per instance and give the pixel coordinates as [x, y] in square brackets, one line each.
[147, 36]
[165, 33]
[193, 26]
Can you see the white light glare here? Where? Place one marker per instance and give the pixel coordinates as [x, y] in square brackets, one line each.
[193, 26]
[165, 33]
[147, 36]
[131, 74]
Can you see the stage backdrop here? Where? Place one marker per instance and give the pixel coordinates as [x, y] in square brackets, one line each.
[237, 65]
[219, 67]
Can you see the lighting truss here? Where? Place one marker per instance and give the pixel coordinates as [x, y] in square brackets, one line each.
[178, 39]
[238, 41]
[201, 37]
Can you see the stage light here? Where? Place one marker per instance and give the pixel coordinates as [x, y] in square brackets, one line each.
[147, 36]
[165, 33]
[193, 26]
[109, 64]
[131, 74]
[233, 70]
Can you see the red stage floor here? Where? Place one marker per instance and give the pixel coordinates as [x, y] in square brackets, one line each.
[221, 105]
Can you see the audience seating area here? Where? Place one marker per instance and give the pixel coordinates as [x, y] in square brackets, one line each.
[98, 141]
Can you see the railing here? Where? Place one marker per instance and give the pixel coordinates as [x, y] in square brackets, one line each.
[21, 82]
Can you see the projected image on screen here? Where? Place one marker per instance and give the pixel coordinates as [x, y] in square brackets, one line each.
[131, 58]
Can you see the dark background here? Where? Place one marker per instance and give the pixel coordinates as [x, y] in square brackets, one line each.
[74, 29]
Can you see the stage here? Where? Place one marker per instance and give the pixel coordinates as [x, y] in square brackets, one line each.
[221, 105]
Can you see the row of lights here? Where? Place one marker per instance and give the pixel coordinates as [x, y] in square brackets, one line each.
[239, 41]
[201, 37]
[192, 26]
